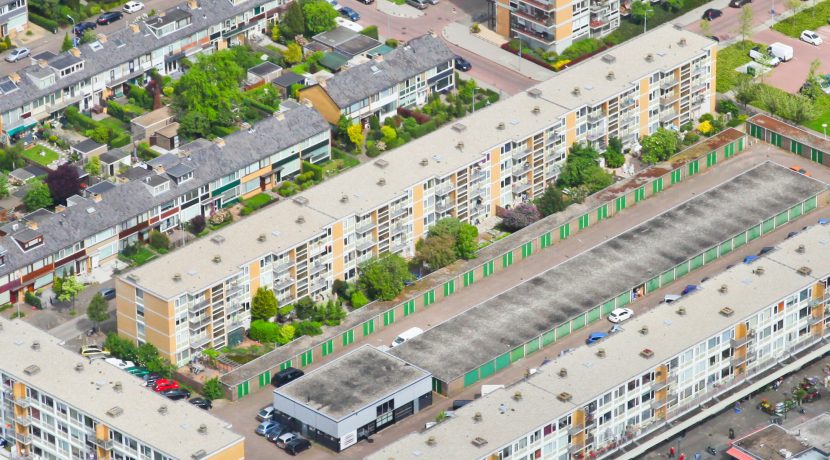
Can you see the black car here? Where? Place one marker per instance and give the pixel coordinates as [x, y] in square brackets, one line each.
[108, 293]
[151, 378]
[713, 37]
[739, 3]
[298, 445]
[109, 17]
[366, 2]
[462, 64]
[459, 403]
[285, 376]
[712, 14]
[201, 403]
[82, 27]
[176, 394]
[765, 250]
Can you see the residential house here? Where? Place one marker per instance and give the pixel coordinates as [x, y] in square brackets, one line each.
[144, 126]
[345, 42]
[14, 18]
[113, 160]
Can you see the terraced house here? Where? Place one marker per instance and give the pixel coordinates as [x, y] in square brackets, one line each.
[164, 193]
[14, 17]
[88, 75]
[497, 157]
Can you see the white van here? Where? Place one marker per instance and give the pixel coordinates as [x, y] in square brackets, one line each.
[783, 52]
[407, 335]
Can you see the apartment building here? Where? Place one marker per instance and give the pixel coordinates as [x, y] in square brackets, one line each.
[497, 157]
[404, 77]
[88, 75]
[57, 405]
[638, 387]
[162, 194]
[14, 17]
[555, 25]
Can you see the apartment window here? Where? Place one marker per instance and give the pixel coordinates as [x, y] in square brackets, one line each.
[139, 294]
[385, 412]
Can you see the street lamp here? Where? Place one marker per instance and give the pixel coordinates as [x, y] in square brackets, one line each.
[647, 11]
[519, 37]
[824, 127]
[73, 28]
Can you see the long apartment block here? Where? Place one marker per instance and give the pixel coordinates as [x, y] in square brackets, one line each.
[166, 192]
[14, 18]
[56, 404]
[497, 157]
[88, 75]
[602, 401]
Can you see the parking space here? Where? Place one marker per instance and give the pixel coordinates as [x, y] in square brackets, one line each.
[727, 26]
[790, 75]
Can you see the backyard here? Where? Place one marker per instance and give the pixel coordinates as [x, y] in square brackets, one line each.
[41, 155]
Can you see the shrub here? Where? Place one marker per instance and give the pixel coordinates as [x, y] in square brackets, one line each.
[475, 28]
[33, 300]
[308, 328]
[581, 48]
[520, 217]
[317, 171]
[727, 106]
[371, 31]
[392, 43]
[159, 240]
[358, 299]
[264, 331]
[197, 224]
[47, 24]
[288, 188]
[342, 288]
[419, 117]
[212, 389]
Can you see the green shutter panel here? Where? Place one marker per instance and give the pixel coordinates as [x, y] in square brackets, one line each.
[620, 204]
[527, 249]
[657, 185]
[564, 231]
[388, 317]
[640, 194]
[348, 337]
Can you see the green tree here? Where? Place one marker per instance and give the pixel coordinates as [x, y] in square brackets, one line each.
[745, 89]
[389, 134]
[448, 226]
[67, 43]
[676, 5]
[436, 251]
[355, 133]
[93, 166]
[212, 389]
[466, 242]
[384, 277]
[371, 31]
[551, 202]
[285, 334]
[89, 36]
[641, 11]
[293, 22]
[96, 311]
[659, 146]
[275, 32]
[207, 93]
[614, 157]
[159, 240]
[121, 348]
[582, 168]
[319, 16]
[4, 186]
[264, 304]
[70, 287]
[38, 196]
[812, 87]
[293, 53]
[358, 299]
[745, 22]
[305, 308]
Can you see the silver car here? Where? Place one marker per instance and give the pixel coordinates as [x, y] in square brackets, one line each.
[17, 54]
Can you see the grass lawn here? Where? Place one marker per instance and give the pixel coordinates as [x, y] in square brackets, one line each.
[41, 155]
[257, 201]
[822, 104]
[113, 123]
[141, 256]
[808, 18]
[729, 59]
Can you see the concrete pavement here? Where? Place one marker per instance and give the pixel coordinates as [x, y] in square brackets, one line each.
[401, 11]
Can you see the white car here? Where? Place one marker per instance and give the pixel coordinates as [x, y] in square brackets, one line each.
[17, 54]
[811, 37]
[132, 7]
[620, 314]
[119, 363]
[285, 439]
[265, 413]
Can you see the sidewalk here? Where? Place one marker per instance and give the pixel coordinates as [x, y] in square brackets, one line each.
[400, 11]
[459, 35]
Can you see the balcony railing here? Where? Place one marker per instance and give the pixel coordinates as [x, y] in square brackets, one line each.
[444, 189]
[105, 444]
[520, 154]
[197, 322]
[668, 115]
[668, 100]
[199, 341]
[595, 134]
[281, 284]
[627, 102]
[282, 267]
[318, 285]
[23, 438]
[397, 229]
[365, 244]
[398, 246]
[541, 5]
[444, 206]
[520, 187]
[317, 268]
[396, 212]
[365, 226]
[199, 306]
[544, 37]
[596, 116]
[542, 19]
[576, 429]
[668, 83]
[23, 420]
[521, 170]
[23, 401]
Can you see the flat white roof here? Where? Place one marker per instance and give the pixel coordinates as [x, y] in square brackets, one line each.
[589, 376]
[91, 390]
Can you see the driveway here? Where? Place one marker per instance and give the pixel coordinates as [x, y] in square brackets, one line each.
[790, 75]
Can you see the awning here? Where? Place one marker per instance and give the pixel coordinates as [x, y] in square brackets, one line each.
[26, 124]
[736, 453]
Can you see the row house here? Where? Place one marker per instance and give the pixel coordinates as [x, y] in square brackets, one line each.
[404, 77]
[14, 18]
[204, 177]
[90, 74]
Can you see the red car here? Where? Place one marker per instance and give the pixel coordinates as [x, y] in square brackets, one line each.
[164, 385]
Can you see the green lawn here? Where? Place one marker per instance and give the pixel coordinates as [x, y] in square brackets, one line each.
[808, 18]
[140, 257]
[113, 123]
[41, 155]
[257, 201]
[729, 59]
[822, 105]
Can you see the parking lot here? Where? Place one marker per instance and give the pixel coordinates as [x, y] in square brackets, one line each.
[790, 75]
[727, 26]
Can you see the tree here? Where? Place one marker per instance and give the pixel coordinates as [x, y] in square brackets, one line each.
[371, 31]
[520, 217]
[67, 43]
[293, 53]
[293, 22]
[159, 240]
[207, 93]
[97, 310]
[745, 22]
[466, 242]
[389, 134]
[4, 186]
[448, 226]
[745, 89]
[197, 224]
[384, 277]
[93, 166]
[305, 308]
[551, 202]
[358, 299]
[212, 389]
[641, 11]
[812, 86]
[582, 169]
[659, 146]
[319, 16]
[676, 5]
[70, 287]
[355, 132]
[436, 251]
[63, 183]
[705, 27]
[88, 36]
[275, 32]
[121, 348]
[614, 157]
[264, 304]
[38, 196]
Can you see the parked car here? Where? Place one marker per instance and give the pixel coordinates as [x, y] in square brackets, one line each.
[763, 58]
[265, 426]
[811, 37]
[459, 403]
[285, 376]
[123, 365]
[366, 2]
[108, 293]
[82, 27]
[286, 438]
[176, 394]
[109, 17]
[619, 315]
[138, 371]
[151, 377]
[462, 64]
[298, 445]
[690, 288]
[739, 3]
[18, 54]
[595, 337]
[783, 52]
[274, 434]
[349, 13]
[164, 385]
[90, 350]
[419, 4]
[265, 413]
[201, 403]
[800, 170]
[711, 14]
[669, 298]
[432, 2]
[408, 334]
[765, 250]
[132, 7]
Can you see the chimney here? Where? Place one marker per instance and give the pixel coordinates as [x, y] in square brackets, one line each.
[42, 63]
[60, 208]
[134, 28]
[193, 4]
[15, 77]
[378, 58]
[31, 224]
[96, 197]
[322, 83]
[160, 168]
[161, 14]
[220, 142]
[279, 116]
[75, 52]
[101, 37]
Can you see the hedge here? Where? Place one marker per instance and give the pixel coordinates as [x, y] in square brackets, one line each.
[420, 117]
[119, 141]
[47, 24]
[124, 113]
[313, 168]
[78, 120]
[259, 105]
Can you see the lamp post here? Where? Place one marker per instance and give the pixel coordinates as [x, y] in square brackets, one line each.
[824, 128]
[73, 29]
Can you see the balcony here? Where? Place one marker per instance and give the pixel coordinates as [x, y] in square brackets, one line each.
[397, 212]
[697, 70]
[541, 5]
[282, 267]
[197, 322]
[598, 22]
[199, 306]
[23, 438]
[542, 37]
[444, 189]
[699, 86]
[595, 134]
[315, 249]
[365, 226]
[627, 102]
[697, 101]
[318, 285]
[541, 19]
[667, 83]
[521, 170]
[668, 100]
[444, 206]
[521, 153]
[599, 6]
[105, 444]
[739, 342]
[397, 229]
[597, 115]
[659, 385]
[399, 246]
[284, 283]
[23, 401]
[478, 175]
[814, 320]
[520, 187]
[199, 341]
[574, 429]
[738, 360]
[317, 268]
[668, 115]
[364, 244]
[23, 420]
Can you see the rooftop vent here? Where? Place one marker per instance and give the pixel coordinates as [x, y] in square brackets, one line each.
[517, 396]
[163, 409]
[133, 277]
[536, 109]
[261, 238]
[218, 239]
[381, 163]
[681, 311]
[32, 370]
[758, 271]
[726, 311]
[477, 417]
[682, 42]
[644, 330]
[501, 125]
[723, 289]
[79, 367]
[459, 145]
[217, 259]
[177, 277]
[564, 396]
[115, 411]
[650, 57]
[647, 353]
[478, 441]
[611, 75]
[805, 271]
[563, 372]
[344, 198]
[382, 181]
[36, 345]
[118, 387]
[800, 249]
[199, 454]
[609, 59]
[503, 408]
[459, 127]
[203, 429]
[300, 220]
[576, 91]
[424, 162]
[601, 352]
[301, 200]
[431, 441]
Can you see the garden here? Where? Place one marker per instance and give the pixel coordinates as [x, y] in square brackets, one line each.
[139, 253]
[41, 155]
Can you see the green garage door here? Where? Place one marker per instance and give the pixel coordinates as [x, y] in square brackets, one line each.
[502, 361]
[754, 232]
[487, 369]
[563, 330]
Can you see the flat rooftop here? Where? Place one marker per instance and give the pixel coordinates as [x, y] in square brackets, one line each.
[630, 259]
[815, 431]
[352, 382]
[92, 391]
[772, 438]
[589, 376]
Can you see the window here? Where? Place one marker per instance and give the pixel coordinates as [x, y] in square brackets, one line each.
[385, 413]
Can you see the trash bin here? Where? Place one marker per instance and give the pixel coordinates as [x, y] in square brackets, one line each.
[750, 71]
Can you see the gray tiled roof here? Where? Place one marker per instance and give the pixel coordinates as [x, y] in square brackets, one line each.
[87, 145]
[264, 69]
[210, 162]
[287, 79]
[100, 188]
[62, 61]
[123, 46]
[359, 82]
[113, 155]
